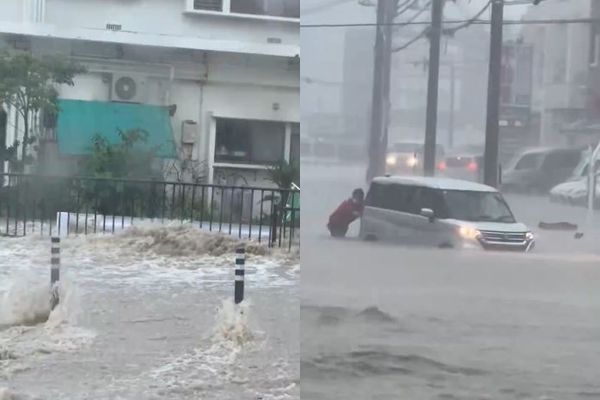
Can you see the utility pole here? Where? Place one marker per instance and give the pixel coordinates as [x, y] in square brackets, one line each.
[435, 36]
[386, 11]
[492, 129]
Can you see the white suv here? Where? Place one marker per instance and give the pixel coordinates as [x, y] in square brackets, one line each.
[441, 213]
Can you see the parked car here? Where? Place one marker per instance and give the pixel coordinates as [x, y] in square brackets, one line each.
[540, 169]
[406, 158]
[441, 212]
[574, 190]
[463, 163]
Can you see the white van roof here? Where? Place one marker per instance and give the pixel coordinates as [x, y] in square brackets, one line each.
[434, 183]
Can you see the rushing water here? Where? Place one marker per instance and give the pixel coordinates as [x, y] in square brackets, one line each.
[380, 322]
[386, 322]
[148, 314]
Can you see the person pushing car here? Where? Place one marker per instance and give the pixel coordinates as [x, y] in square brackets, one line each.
[346, 213]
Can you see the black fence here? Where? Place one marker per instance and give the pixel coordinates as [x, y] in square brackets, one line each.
[56, 205]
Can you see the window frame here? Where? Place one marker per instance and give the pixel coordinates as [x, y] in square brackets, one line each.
[249, 162]
[226, 12]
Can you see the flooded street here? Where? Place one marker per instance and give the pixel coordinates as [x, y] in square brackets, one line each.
[382, 321]
[148, 314]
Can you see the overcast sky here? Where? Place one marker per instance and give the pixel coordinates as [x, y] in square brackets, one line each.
[322, 48]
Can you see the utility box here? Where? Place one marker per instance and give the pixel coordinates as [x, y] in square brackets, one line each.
[189, 132]
[189, 136]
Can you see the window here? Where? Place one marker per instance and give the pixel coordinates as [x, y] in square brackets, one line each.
[270, 8]
[375, 196]
[295, 145]
[562, 160]
[431, 199]
[477, 206]
[530, 161]
[393, 197]
[398, 198]
[559, 72]
[251, 142]
[274, 8]
[584, 171]
[208, 5]
[407, 147]
[595, 46]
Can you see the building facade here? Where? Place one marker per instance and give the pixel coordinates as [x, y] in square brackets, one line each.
[560, 67]
[225, 71]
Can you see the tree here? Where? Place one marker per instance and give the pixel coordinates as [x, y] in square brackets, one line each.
[120, 165]
[126, 159]
[283, 174]
[28, 84]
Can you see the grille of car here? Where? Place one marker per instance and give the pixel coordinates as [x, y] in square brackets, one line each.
[503, 237]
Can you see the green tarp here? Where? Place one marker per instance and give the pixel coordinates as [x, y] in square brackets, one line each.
[79, 121]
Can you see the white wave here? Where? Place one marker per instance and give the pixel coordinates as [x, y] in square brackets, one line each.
[29, 329]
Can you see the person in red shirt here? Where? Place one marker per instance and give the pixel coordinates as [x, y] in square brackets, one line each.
[346, 213]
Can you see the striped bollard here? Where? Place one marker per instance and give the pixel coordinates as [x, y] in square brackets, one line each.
[240, 261]
[55, 271]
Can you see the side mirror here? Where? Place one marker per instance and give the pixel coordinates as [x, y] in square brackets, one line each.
[428, 213]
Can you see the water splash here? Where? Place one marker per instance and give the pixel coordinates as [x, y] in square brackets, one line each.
[231, 327]
[26, 302]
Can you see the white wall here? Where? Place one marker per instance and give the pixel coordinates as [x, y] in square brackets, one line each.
[166, 17]
[12, 10]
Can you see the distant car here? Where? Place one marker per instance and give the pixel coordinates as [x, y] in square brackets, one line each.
[574, 190]
[463, 163]
[439, 212]
[538, 170]
[406, 158]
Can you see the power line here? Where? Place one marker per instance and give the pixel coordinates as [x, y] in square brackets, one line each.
[417, 14]
[446, 31]
[404, 7]
[552, 21]
[452, 31]
[411, 41]
[323, 7]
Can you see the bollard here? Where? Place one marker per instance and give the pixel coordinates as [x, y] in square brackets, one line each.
[240, 261]
[55, 271]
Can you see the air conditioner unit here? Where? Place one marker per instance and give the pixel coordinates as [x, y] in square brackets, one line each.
[128, 89]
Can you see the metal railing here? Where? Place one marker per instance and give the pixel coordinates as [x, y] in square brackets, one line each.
[58, 205]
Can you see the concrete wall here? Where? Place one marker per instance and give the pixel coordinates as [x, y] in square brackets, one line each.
[171, 17]
[203, 87]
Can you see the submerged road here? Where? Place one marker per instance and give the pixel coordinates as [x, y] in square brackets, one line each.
[382, 321]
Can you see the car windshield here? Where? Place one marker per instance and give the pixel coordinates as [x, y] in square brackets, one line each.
[407, 147]
[530, 161]
[477, 206]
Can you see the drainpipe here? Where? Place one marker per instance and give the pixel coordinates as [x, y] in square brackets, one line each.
[41, 11]
[171, 79]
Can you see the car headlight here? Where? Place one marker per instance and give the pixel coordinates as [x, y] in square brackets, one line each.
[412, 162]
[391, 160]
[529, 236]
[467, 232]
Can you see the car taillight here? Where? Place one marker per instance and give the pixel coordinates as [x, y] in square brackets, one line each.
[442, 165]
[472, 166]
